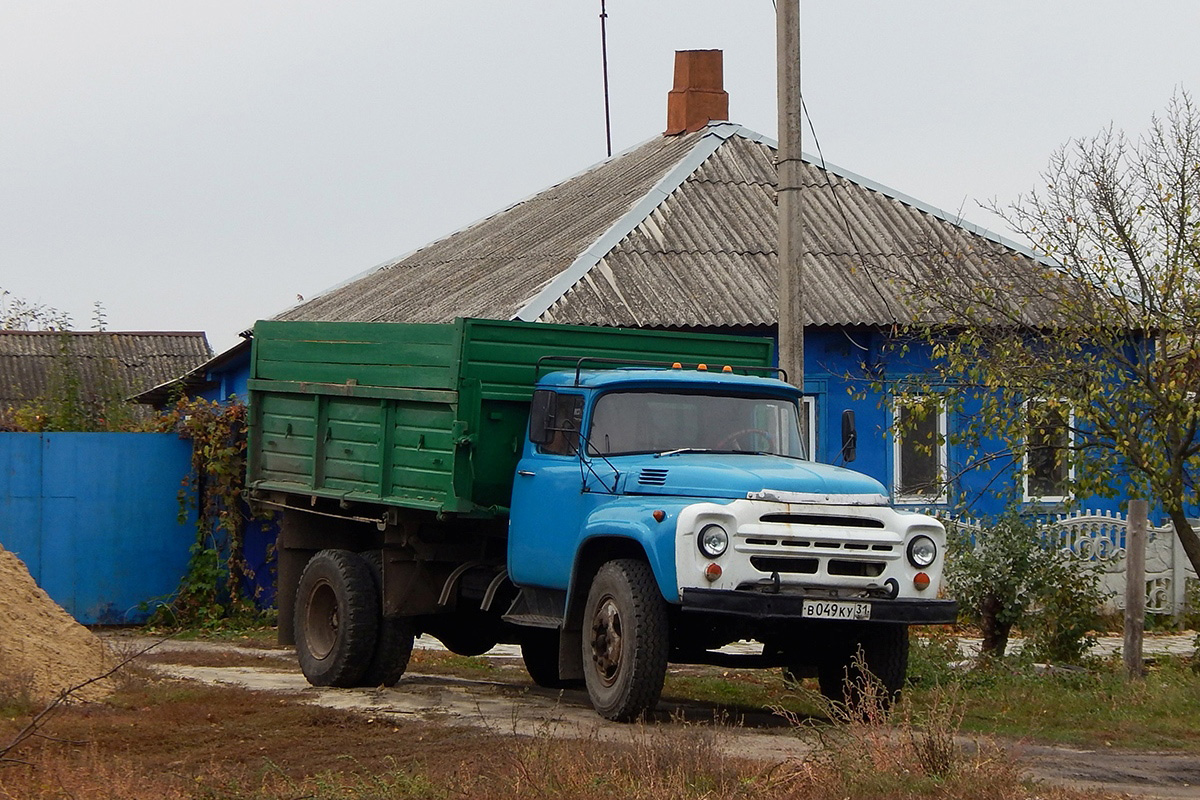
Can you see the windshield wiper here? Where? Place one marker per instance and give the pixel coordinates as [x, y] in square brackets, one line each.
[684, 450]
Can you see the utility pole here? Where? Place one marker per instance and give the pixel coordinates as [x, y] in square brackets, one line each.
[788, 167]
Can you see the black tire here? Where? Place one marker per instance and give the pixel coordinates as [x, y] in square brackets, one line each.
[394, 642]
[539, 651]
[885, 657]
[336, 618]
[625, 644]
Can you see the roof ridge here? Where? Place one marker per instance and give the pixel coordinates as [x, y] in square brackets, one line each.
[708, 143]
[392, 262]
[853, 177]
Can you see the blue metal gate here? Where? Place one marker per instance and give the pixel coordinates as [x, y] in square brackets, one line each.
[95, 518]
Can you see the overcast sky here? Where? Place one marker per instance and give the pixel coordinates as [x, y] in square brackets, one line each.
[199, 166]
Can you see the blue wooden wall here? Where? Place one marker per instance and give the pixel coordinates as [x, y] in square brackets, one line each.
[95, 518]
[836, 363]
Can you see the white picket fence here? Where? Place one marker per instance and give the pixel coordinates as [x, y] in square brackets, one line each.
[1099, 538]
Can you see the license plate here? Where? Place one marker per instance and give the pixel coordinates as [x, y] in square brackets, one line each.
[835, 609]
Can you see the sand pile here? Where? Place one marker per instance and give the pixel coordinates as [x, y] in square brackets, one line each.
[43, 650]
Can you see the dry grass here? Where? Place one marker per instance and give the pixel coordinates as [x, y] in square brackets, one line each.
[169, 740]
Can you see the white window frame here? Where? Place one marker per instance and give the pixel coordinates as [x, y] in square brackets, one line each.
[942, 453]
[1031, 498]
[808, 408]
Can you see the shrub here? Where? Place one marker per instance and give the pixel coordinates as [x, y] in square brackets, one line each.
[1066, 612]
[1009, 574]
[993, 574]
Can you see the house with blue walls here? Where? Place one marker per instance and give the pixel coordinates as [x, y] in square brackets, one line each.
[679, 233]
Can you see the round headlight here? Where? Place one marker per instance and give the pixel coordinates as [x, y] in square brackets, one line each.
[922, 551]
[713, 540]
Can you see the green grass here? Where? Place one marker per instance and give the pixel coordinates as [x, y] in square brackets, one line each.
[1096, 708]
[1092, 708]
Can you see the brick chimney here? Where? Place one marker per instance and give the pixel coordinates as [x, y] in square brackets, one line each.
[699, 95]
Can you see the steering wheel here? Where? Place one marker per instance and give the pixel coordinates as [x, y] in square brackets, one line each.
[731, 442]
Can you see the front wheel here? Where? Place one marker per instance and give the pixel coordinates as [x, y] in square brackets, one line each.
[336, 618]
[625, 643]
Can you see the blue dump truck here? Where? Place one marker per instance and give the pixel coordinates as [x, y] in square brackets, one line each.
[612, 500]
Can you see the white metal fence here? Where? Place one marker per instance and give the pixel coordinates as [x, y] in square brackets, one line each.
[1099, 538]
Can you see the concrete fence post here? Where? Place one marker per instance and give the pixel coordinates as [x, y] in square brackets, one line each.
[1135, 587]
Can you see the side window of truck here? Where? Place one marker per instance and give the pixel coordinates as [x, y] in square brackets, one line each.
[568, 419]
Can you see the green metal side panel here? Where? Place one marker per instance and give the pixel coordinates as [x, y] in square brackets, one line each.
[362, 353]
[423, 416]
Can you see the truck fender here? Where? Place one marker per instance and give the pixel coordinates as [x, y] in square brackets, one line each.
[606, 537]
[611, 533]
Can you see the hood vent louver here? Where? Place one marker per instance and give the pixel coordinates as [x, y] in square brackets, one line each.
[652, 477]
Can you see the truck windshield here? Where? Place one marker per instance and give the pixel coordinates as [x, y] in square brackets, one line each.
[660, 422]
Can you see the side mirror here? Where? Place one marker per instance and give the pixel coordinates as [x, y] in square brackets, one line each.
[849, 437]
[541, 416]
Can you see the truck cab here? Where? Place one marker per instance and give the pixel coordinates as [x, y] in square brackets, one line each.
[696, 483]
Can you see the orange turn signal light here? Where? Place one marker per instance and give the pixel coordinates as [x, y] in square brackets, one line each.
[712, 572]
[921, 580]
[659, 515]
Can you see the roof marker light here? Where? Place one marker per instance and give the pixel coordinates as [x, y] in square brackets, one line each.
[726, 368]
[677, 365]
[702, 367]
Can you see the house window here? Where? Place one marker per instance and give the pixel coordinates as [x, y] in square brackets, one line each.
[1047, 465]
[919, 450]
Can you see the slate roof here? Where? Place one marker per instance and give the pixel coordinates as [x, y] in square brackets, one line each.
[134, 361]
[681, 232]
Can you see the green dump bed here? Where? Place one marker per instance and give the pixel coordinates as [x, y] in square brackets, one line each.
[423, 416]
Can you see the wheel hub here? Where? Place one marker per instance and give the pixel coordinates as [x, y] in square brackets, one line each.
[606, 640]
[321, 630]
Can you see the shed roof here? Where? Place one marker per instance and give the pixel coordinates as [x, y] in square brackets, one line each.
[131, 361]
[681, 231]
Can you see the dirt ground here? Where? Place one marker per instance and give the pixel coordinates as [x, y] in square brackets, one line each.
[505, 701]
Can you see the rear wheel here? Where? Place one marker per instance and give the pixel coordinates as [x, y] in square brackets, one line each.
[625, 643]
[336, 618]
[393, 643]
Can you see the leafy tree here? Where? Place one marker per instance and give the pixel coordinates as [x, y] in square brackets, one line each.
[1085, 373]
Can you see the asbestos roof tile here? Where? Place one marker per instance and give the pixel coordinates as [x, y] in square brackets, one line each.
[703, 252]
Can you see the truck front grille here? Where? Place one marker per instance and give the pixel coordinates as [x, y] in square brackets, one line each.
[822, 519]
[855, 569]
[800, 566]
[804, 544]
